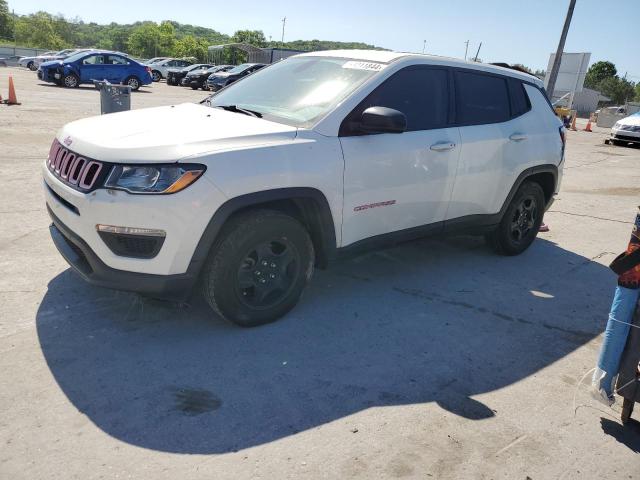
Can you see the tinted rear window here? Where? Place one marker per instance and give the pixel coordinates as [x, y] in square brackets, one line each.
[481, 99]
[519, 100]
[422, 94]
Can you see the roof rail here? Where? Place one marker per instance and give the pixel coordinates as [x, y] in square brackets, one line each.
[512, 67]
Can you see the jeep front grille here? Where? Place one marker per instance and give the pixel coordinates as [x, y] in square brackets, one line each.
[80, 173]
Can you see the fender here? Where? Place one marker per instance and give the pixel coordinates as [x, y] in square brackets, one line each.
[322, 232]
[482, 223]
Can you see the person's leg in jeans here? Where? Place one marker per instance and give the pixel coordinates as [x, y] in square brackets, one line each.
[615, 337]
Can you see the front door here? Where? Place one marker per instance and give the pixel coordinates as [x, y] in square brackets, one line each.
[394, 182]
[92, 68]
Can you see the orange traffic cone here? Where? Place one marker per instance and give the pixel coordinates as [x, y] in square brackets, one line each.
[573, 124]
[588, 127]
[12, 100]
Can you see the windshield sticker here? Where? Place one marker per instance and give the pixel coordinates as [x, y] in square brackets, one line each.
[357, 65]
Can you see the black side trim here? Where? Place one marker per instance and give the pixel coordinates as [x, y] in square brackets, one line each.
[325, 234]
[87, 265]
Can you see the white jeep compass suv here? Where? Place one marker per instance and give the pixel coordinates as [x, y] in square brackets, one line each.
[317, 155]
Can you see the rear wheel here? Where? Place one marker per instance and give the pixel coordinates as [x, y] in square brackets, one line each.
[258, 269]
[520, 223]
[133, 82]
[71, 80]
[32, 66]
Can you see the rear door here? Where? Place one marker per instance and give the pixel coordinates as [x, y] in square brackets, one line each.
[393, 181]
[482, 113]
[92, 68]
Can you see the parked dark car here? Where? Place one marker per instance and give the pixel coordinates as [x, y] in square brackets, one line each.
[86, 67]
[175, 75]
[198, 79]
[221, 80]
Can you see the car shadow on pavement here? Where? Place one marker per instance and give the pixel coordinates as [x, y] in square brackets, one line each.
[428, 321]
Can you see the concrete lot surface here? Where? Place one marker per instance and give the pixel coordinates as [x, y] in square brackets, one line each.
[434, 359]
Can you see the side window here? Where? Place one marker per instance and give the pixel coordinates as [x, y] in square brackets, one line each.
[481, 99]
[115, 60]
[93, 60]
[172, 63]
[183, 64]
[520, 103]
[421, 93]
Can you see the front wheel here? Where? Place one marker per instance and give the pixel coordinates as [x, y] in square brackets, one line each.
[257, 270]
[32, 66]
[156, 76]
[133, 82]
[71, 81]
[520, 223]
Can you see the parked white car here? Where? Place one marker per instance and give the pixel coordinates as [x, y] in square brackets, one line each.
[61, 55]
[30, 62]
[626, 131]
[160, 69]
[314, 156]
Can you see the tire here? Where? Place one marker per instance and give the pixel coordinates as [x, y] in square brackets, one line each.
[258, 268]
[133, 82]
[71, 81]
[627, 410]
[194, 87]
[156, 76]
[205, 88]
[32, 66]
[520, 223]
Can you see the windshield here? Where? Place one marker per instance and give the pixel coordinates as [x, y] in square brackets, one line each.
[297, 91]
[75, 56]
[240, 68]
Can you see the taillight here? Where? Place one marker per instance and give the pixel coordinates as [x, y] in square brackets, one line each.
[148, 69]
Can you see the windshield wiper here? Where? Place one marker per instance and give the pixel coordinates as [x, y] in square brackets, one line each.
[235, 108]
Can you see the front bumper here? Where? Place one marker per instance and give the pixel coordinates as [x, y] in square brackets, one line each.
[89, 267]
[183, 216]
[625, 135]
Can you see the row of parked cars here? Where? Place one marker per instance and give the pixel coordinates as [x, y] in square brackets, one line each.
[73, 67]
[199, 75]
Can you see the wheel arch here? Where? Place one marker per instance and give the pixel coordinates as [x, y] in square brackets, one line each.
[308, 205]
[544, 175]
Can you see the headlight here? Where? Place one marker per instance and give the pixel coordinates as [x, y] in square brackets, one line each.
[617, 125]
[151, 179]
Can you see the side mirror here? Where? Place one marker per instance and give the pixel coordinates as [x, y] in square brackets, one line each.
[383, 120]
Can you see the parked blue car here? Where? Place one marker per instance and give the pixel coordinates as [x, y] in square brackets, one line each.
[86, 67]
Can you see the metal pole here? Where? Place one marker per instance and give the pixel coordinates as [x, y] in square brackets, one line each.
[465, 49]
[478, 52]
[284, 20]
[424, 45]
[553, 76]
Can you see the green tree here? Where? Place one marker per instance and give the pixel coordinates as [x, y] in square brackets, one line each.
[167, 38]
[144, 41]
[190, 46]
[252, 37]
[619, 90]
[38, 30]
[6, 21]
[637, 98]
[598, 72]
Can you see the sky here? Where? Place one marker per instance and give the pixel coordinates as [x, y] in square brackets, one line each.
[511, 31]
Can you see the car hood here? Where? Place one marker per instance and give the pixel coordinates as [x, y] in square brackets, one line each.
[631, 120]
[51, 63]
[169, 134]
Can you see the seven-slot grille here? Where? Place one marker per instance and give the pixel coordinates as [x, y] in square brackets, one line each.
[79, 172]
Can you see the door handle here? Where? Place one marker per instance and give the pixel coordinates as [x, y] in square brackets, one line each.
[442, 147]
[517, 137]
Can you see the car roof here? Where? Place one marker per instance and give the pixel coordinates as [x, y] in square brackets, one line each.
[385, 56]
